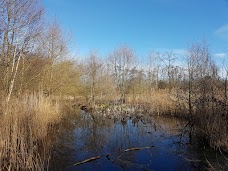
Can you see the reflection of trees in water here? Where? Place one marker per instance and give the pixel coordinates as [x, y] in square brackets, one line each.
[209, 157]
[63, 148]
[199, 154]
[104, 137]
[93, 132]
[83, 136]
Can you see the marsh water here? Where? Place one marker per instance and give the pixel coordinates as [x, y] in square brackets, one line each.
[146, 143]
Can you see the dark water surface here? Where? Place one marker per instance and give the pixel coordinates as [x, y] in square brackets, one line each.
[162, 143]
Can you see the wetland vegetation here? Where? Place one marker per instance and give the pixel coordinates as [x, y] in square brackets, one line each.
[105, 112]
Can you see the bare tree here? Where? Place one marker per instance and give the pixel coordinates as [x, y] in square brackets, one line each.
[52, 45]
[20, 20]
[200, 69]
[154, 67]
[121, 60]
[93, 71]
[225, 77]
[168, 58]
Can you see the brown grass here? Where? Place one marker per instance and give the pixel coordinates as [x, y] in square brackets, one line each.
[209, 117]
[24, 125]
[214, 124]
[160, 101]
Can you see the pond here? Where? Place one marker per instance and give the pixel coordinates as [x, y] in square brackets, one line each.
[145, 143]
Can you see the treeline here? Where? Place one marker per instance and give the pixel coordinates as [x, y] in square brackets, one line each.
[35, 56]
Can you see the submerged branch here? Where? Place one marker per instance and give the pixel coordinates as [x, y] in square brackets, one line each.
[136, 148]
[97, 157]
[87, 160]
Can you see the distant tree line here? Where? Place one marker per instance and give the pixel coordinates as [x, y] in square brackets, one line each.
[34, 56]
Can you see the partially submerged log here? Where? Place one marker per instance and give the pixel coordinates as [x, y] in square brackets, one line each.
[87, 160]
[136, 148]
[108, 155]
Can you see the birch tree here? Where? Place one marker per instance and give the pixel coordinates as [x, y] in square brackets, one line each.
[20, 24]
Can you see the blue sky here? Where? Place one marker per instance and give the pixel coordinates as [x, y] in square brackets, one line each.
[143, 25]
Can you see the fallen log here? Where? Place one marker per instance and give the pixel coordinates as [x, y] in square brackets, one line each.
[136, 148]
[87, 160]
[108, 156]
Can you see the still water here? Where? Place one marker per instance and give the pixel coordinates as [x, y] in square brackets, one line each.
[146, 143]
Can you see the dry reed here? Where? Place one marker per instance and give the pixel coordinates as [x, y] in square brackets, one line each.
[159, 101]
[209, 116]
[24, 125]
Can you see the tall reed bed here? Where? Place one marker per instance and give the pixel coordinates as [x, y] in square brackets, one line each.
[212, 119]
[159, 101]
[24, 126]
[209, 111]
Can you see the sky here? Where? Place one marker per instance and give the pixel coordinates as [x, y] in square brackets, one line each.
[143, 25]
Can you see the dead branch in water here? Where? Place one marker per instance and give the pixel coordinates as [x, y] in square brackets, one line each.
[97, 157]
[87, 160]
[136, 148]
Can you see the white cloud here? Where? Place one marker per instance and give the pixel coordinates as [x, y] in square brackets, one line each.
[223, 29]
[222, 32]
[220, 55]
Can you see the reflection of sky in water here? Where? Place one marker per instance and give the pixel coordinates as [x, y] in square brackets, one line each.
[87, 139]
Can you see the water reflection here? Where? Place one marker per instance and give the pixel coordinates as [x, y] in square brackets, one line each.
[164, 144]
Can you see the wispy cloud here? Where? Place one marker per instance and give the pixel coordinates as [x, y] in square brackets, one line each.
[222, 32]
[220, 55]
